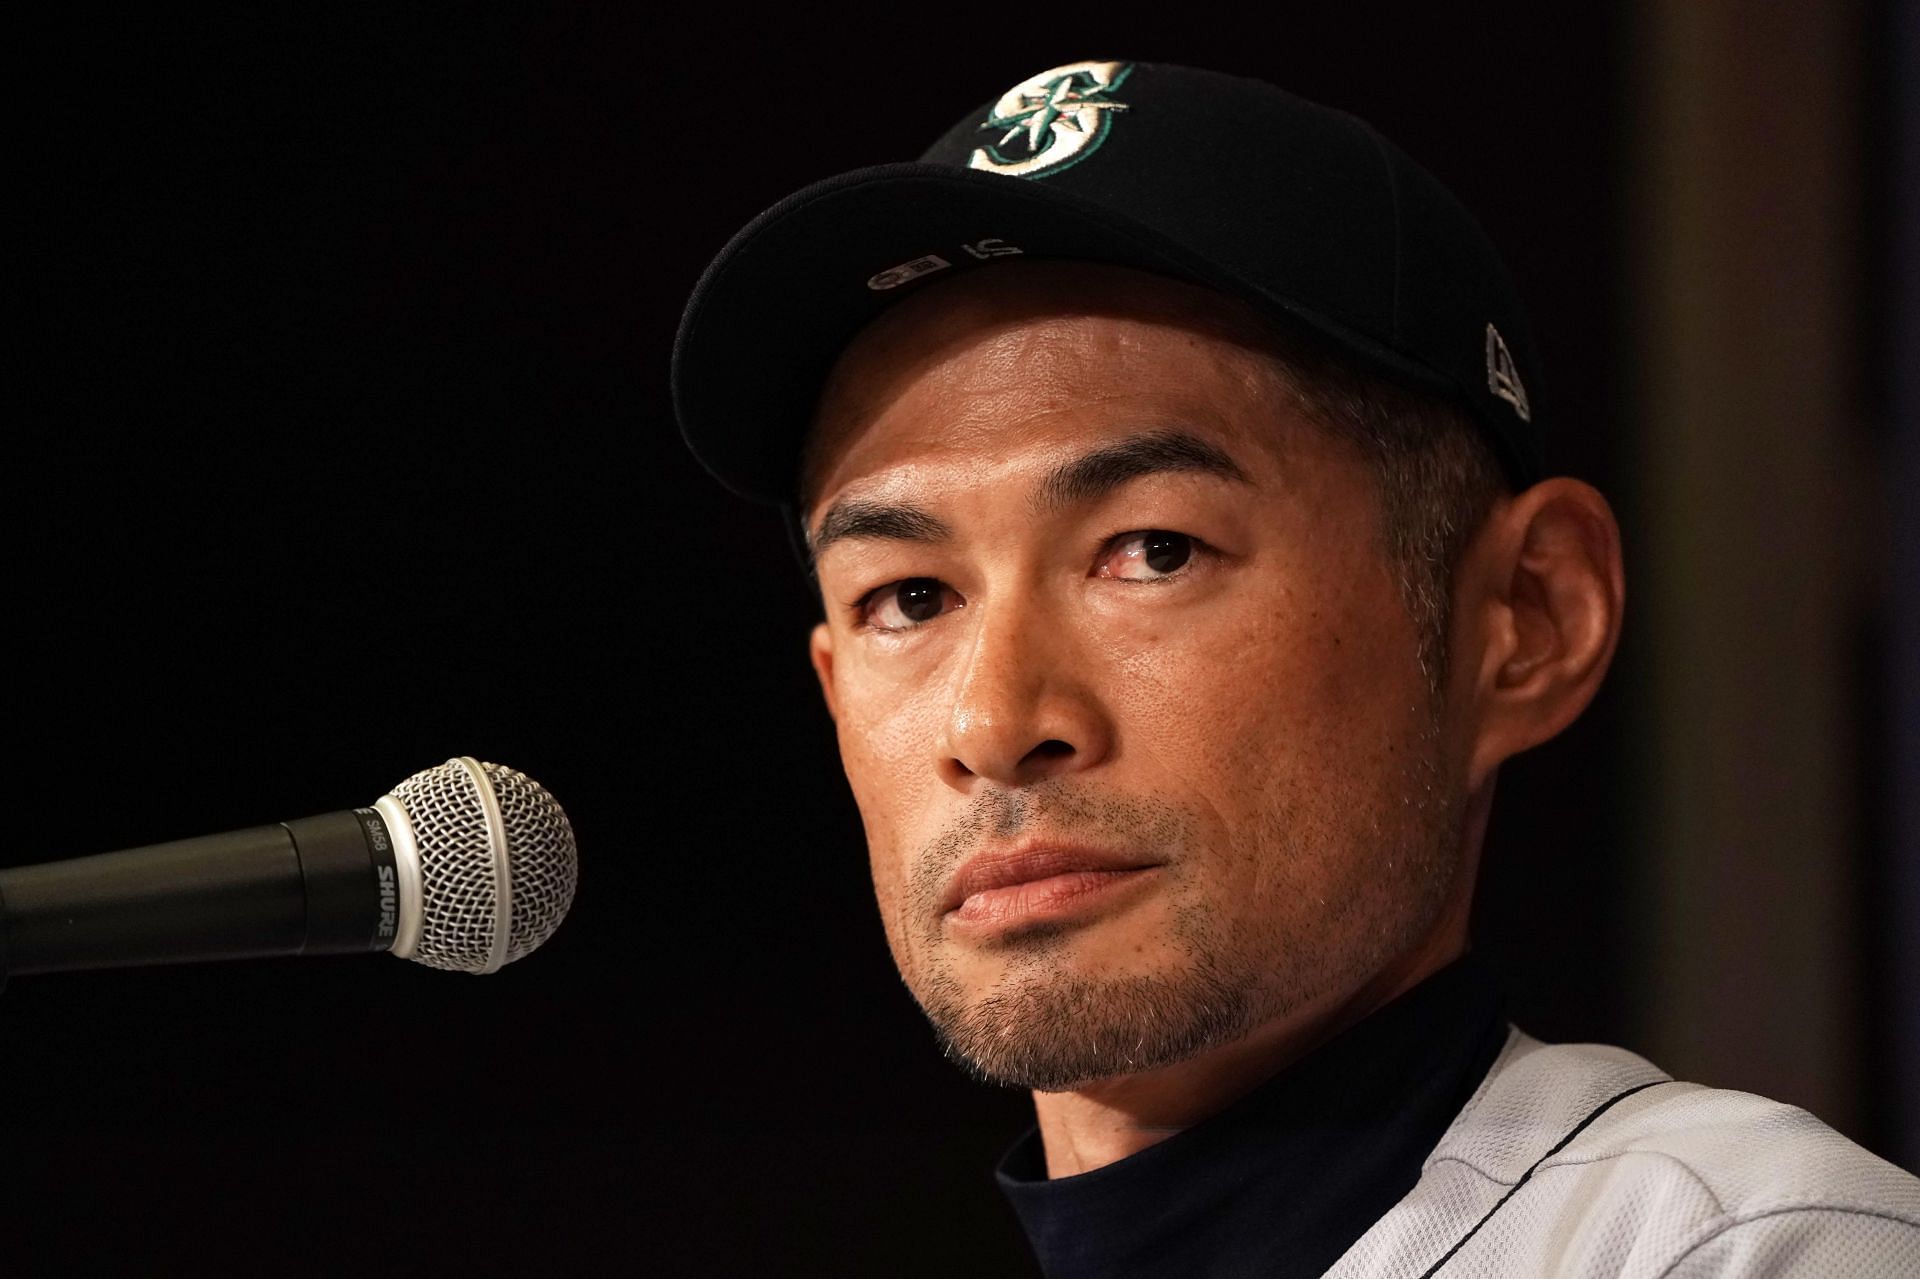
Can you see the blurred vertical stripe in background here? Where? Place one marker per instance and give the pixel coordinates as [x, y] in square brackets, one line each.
[1899, 351]
[1773, 371]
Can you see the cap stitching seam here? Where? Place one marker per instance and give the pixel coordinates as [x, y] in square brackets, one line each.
[1393, 192]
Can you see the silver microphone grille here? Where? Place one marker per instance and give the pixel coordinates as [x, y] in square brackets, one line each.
[497, 864]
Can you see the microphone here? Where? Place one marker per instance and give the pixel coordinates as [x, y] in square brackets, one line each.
[465, 867]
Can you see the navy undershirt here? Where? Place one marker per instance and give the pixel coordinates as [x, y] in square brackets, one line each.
[1284, 1180]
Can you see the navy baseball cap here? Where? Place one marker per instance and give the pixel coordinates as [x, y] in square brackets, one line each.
[1303, 211]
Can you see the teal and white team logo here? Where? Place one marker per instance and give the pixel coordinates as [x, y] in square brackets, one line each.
[1055, 119]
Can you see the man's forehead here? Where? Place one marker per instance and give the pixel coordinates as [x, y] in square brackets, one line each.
[992, 361]
[894, 511]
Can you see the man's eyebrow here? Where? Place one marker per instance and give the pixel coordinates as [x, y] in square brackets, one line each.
[887, 521]
[1092, 476]
[1078, 482]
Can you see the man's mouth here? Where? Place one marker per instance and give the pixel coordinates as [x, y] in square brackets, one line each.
[1038, 883]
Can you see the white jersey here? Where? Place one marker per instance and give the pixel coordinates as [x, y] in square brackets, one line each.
[1582, 1160]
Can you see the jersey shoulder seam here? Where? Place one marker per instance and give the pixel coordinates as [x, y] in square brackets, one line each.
[1719, 1206]
[1731, 1223]
[1685, 1167]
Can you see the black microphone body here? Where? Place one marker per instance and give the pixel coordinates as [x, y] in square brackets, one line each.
[464, 867]
[316, 886]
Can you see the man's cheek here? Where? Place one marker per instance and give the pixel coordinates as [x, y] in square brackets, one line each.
[888, 894]
[888, 760]
[1219, 715]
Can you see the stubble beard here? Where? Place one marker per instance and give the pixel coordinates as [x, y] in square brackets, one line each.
[1044, 1027]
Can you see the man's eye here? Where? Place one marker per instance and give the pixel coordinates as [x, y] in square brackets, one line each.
[899, 606]
[1145, 556]
[1162, 552]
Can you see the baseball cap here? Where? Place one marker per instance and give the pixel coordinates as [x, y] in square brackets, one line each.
[1303, 211]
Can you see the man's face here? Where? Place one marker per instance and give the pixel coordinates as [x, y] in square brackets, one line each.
[1201, 692]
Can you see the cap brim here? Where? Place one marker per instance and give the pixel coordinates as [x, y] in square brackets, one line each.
[786, 295]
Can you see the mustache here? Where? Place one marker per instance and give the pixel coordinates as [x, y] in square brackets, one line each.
[1053, 809]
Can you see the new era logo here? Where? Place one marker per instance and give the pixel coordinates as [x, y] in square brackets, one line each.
[1503, 379]
[895, 276]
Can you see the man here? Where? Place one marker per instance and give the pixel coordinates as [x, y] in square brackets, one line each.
[1167, 452]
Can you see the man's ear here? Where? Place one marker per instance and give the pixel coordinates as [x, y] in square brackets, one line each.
[1540, 599]
[820, 649]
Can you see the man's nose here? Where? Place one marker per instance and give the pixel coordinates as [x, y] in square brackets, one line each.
[1025, 705]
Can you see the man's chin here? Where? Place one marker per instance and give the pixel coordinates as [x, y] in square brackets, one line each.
[1052, 1027]
[1026, 961]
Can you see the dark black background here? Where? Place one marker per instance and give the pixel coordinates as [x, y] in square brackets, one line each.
[346, 449]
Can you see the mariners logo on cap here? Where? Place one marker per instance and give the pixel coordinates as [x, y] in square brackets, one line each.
[1050, 121]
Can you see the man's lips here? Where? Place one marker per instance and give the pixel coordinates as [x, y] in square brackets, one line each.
[1035, 878]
